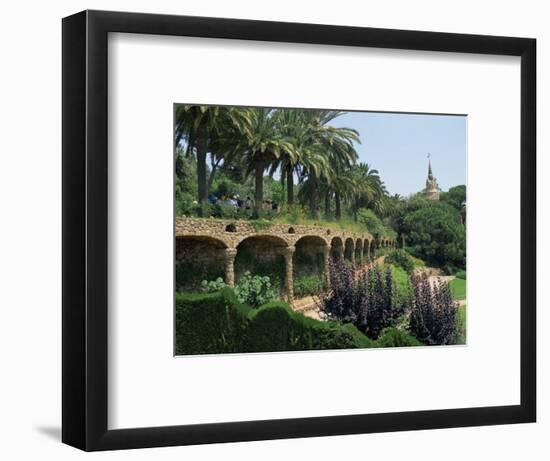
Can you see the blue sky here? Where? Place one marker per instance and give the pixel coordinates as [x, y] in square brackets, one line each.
[397, 146]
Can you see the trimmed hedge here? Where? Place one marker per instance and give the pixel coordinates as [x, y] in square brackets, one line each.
[392, 337]
[216, 323]
[210, 323]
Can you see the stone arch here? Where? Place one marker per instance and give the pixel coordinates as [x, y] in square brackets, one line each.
[336, 248]
[263, 255]
[199, 258]
[349, 249]
[366, 250]
[291, 230]
[372, 249]
[310, 260]
[358, 257]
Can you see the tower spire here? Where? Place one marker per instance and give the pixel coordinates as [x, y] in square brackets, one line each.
[432, 189]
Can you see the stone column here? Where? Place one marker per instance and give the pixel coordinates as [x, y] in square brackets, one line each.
[361, 258]
[353, 253]
[230, 254]
[326, 255]
[368, 251]
[288, 252]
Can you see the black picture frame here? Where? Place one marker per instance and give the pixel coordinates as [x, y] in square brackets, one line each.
[85, 224]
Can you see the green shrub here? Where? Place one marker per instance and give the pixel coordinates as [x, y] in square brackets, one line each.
[275, 327]
[212, 323]
[334, 335]
[308, 285]
[402, 259]
[374, 224]
[213, 285]
[461, 275]
[275, 269]
[254, 290]
[392, 337]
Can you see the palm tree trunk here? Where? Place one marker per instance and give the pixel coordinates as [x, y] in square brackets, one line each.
[290, 185]
[259, 179]
[313, 196]
[281, 199]
[201, 169]
[327, 203]
[338, 212]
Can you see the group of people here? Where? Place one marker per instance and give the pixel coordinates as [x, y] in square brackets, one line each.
[236, 202]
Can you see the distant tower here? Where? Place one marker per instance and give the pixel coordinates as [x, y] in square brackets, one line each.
[432, 189]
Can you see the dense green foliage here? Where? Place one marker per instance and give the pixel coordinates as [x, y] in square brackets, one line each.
[190, 276]
[254, 290]
[403, 289]
[392, 337]
[435, 234]
[213, 285]
[402, 259]
[212, 323]
[374, 224]
[251, 290]
[455, 197]
[308, 285]
[247, 261]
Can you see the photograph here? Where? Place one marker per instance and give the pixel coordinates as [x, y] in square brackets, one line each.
[308, 229]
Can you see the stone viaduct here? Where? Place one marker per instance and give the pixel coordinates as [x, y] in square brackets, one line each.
[219, 241]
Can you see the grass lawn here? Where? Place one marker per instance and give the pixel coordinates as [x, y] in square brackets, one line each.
[458, 288]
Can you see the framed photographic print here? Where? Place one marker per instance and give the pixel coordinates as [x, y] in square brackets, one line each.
[278, 230]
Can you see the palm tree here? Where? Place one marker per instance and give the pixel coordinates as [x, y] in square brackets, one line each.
[337, 145]
[202, 129]
[305, 156]
[369, 190]
[260, 143]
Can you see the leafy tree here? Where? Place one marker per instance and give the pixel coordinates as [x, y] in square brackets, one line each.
[435, 234]
[374, 224]
[455, 196]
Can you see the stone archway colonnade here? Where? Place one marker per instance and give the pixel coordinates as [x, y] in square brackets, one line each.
[226, 236]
